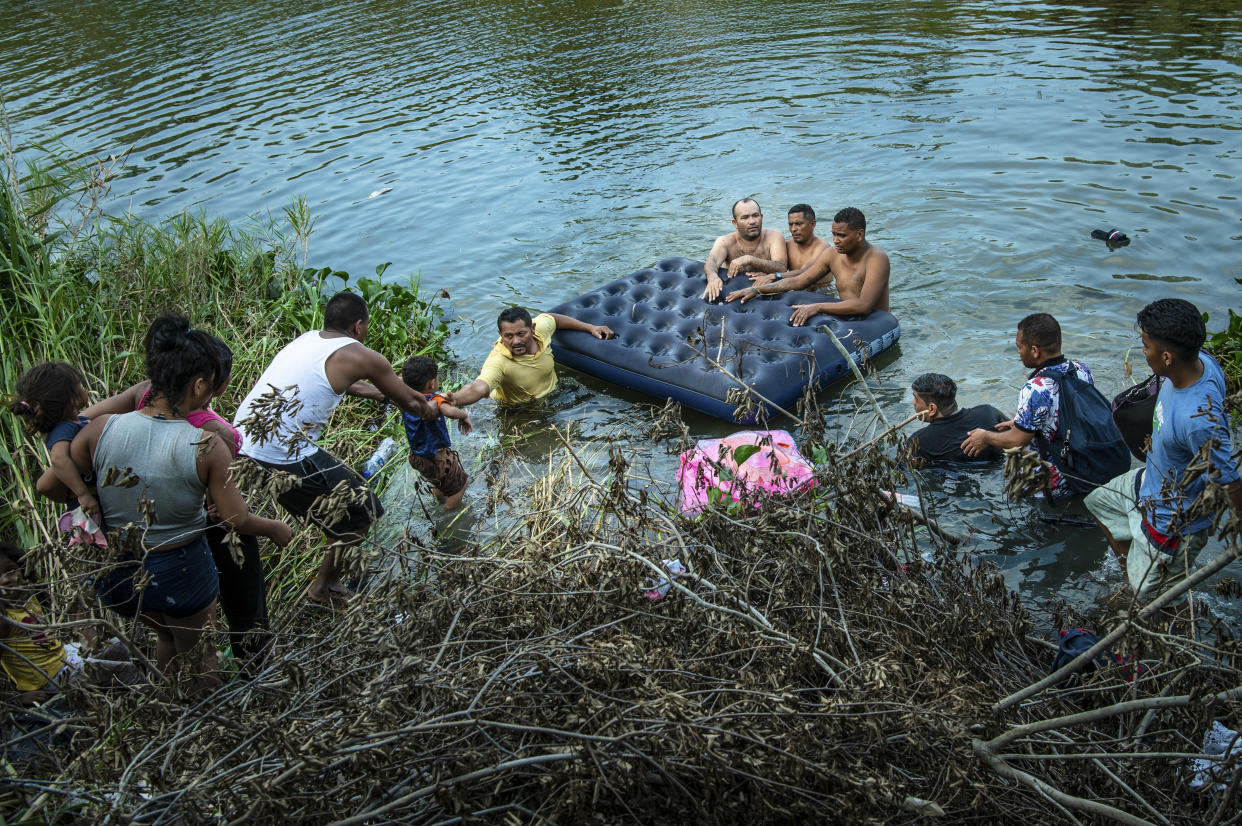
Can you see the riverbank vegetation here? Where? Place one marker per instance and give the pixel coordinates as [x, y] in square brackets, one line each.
[80, 286]
[825, 657]
[1226, 345]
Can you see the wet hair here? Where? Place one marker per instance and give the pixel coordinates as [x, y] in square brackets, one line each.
[741, 201]
[852, 217]
[513, 314]
[1042, 330]
[1177, 323]
[936, 388]
[344, 310]
[45, 393]
[805, 209]
[418, 370]
[226, 360]
[177, 355]
[12, 553]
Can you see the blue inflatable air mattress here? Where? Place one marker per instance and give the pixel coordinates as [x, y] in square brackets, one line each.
[671, 344]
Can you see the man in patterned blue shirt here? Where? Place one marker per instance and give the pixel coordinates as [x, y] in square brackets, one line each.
[1038, 418]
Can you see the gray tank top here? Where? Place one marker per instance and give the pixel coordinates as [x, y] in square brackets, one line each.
[163, 455]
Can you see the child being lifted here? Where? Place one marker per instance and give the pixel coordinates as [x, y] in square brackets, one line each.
[430, 451]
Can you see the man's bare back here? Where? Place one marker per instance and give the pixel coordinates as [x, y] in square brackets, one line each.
[751, 245]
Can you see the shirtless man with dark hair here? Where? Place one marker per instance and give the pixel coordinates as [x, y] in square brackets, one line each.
[859, 270]
[760, 247]
[801, 249]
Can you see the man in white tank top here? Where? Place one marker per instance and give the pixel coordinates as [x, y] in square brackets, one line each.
[283, 415]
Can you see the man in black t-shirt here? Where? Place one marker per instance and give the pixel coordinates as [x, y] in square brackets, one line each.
[935, 396]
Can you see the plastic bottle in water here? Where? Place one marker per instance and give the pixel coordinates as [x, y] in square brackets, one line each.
[381, 455]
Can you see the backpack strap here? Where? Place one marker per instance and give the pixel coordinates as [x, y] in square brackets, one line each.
[1049, 373]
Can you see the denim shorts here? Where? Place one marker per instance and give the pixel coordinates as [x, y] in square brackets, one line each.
[183, 582]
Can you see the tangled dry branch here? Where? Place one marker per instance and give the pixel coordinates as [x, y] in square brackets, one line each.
[816, 661]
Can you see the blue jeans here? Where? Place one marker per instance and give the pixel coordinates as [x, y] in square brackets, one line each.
[183, 582]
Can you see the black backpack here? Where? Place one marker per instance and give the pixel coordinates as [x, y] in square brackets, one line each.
[1133, 409]
[1087, 448]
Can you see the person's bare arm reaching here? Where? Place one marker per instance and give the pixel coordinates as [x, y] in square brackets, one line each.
[772, 258]
[872, 295]
[711, 268]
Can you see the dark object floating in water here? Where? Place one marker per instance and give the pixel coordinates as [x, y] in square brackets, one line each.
[671, 344]
[1113, 237]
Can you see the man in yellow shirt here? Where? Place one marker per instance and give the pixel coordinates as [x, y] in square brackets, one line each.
[519, 370]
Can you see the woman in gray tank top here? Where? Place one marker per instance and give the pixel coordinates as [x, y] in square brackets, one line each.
[155, 471]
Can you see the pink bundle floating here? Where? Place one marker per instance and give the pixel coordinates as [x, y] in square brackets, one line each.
[713, 461]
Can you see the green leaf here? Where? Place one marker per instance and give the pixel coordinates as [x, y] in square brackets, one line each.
[741, 454]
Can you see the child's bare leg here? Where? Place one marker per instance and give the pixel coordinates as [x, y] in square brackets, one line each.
[50, 486]
[454, 501]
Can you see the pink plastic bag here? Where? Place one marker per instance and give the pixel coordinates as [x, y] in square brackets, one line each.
[699, 474]
[81, 529]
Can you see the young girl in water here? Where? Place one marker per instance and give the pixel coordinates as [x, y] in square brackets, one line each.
[50, 396]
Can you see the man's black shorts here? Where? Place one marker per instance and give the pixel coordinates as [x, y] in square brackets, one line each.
[320, 474]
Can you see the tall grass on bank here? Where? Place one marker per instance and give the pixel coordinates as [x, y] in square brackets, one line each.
[80, 286]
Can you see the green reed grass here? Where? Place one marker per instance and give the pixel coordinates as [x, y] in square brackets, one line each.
[80, 286]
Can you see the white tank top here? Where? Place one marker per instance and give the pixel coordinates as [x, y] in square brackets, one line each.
[298, 373]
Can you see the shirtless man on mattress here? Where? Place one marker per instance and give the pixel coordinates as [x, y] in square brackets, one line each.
[859, 270]
[803, 247]
[750, 243]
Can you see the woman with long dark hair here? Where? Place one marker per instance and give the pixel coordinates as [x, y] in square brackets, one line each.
[243, 587]
[154, 470]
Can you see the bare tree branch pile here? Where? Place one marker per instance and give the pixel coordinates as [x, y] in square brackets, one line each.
[812, 665]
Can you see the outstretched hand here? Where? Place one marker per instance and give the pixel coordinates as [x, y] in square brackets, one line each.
[599, 331]
[975, 442]
[745, 294]
[714, 286]
[804, 312]
[281, 534]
